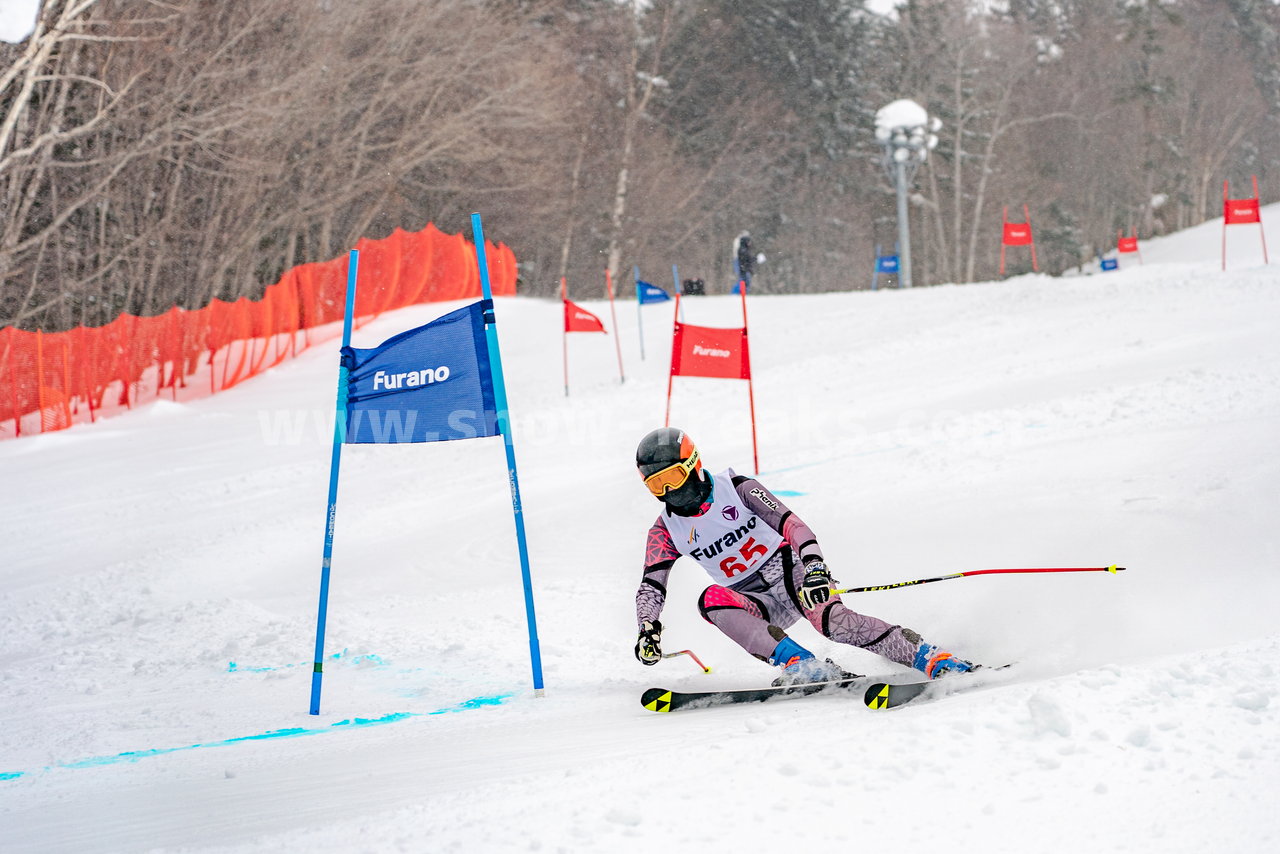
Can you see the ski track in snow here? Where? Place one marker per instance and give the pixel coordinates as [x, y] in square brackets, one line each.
[159, 572]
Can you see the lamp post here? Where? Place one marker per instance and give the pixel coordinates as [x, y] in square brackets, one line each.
[907, 135]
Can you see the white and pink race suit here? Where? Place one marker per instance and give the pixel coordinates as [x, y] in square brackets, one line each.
[747, 540]
[731, 538]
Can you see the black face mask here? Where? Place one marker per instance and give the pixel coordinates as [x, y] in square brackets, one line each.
[689, 498]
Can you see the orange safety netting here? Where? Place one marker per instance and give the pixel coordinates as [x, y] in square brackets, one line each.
[51, 381]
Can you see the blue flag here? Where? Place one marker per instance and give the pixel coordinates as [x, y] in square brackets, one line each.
[430, 384]
[886, 263]
[648, 293]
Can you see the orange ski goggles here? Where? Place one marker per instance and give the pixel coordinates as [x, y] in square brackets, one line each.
[673, 476]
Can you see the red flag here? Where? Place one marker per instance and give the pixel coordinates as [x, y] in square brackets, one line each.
[1017, 234]
[705, 351]
[1241, 211]
[1127, 244]
[578, 319]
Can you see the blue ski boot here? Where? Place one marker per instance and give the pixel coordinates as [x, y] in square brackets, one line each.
[936, 663]
[800, 667]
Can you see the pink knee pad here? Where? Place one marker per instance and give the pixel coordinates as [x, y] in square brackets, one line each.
[715, 597]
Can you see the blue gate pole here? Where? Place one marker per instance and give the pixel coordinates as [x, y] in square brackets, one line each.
[504, 427]
[635, 274]
[339, 436]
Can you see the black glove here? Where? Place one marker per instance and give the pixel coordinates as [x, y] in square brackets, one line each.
[816, 586]
[649, 644]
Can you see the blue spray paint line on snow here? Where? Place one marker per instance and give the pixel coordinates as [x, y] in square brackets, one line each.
[367, 658]
[290, 732]
[788, 493]
[474, 703]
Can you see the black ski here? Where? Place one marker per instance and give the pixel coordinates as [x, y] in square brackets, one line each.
[878, 694]
[666, 700]
[884, 695]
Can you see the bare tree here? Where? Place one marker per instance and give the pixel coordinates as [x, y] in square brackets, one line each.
[639, 87]
[55, 105]
[201, 151]
[161, 152]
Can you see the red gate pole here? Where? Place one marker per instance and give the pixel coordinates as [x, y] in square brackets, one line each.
[564, 334]
[1004, 219]
[751, 395]
[1261, 230]
[1026, 215]
[675, 348]
[1224, 224]
[751, 402]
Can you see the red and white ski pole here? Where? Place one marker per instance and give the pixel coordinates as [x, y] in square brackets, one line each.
[1113, 569]
[689, 653]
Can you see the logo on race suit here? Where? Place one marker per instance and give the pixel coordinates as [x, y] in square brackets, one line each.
[765, 498]
[693, 535]
[729, 539]
[730, 513]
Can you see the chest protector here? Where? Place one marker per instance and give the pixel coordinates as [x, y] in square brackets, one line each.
[729, 541]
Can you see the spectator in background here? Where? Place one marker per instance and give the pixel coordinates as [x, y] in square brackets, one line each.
[746, 259]
[693, 287]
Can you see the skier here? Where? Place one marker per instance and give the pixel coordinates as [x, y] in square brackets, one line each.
[768, 569]
[744, 260]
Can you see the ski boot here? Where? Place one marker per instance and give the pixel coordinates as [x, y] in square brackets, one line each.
[936, 663]
[801, 667]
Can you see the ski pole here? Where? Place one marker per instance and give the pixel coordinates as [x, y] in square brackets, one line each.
[689, 653]
[1113, 569]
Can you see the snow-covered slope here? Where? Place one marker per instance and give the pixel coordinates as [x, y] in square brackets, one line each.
[159, 574]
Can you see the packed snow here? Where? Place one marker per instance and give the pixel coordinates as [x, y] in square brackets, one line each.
[159, 576]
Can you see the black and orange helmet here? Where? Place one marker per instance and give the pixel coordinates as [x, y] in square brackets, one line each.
[671, 467]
